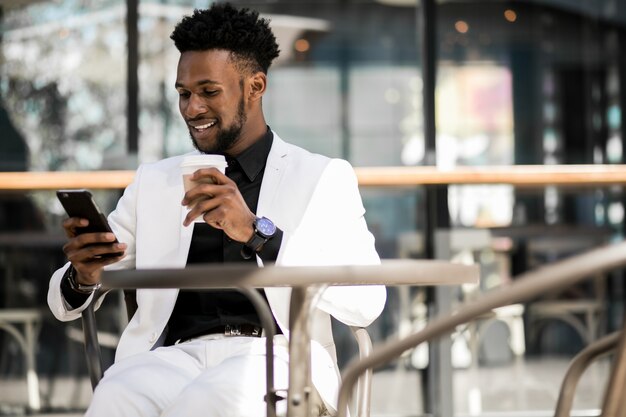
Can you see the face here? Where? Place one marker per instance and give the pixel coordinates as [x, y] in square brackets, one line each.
[211, 100]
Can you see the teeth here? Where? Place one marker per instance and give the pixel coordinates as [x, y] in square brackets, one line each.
[202, 127]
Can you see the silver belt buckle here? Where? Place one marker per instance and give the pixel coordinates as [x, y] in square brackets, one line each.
[232, 330]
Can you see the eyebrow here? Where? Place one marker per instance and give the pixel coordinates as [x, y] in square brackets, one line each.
[199, 83]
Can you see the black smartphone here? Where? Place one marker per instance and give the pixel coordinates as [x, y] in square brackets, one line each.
[80, 203]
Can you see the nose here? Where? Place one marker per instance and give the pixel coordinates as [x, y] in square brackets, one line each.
[195, 107]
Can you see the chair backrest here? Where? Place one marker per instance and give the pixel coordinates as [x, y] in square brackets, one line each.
[578, 365]
[130, 299]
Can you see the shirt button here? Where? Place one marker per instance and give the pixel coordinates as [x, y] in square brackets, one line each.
[153, 337]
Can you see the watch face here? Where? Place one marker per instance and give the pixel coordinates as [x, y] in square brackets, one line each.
[265, 226]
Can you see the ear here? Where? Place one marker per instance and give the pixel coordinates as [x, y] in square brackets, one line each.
[258, 84]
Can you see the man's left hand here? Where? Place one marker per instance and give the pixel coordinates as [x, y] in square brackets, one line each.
[220, 204]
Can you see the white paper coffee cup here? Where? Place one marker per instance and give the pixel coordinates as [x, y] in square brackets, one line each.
[192, 163]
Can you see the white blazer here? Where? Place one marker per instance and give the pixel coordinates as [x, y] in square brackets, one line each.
[314, 200]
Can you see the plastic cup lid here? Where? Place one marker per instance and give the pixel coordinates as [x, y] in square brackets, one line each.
[204, 160]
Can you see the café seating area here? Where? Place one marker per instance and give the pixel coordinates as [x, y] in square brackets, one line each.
[488, 141]
[506, 325]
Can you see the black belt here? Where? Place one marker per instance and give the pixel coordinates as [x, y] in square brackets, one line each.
[230, 330]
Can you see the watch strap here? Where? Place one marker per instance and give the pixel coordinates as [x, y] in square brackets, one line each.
[256, 242]
[78, 287]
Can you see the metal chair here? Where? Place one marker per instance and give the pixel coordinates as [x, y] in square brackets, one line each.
[361, 405]
[526, 287]
[578, 365]
[23, 325]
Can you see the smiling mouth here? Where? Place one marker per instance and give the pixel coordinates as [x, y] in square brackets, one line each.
[204, 127]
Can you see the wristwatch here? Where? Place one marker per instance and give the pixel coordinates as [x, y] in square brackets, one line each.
[264, 230]
[77, 286]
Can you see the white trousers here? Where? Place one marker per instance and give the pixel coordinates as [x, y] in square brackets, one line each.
[223, 377]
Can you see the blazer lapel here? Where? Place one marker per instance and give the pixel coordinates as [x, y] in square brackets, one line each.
[277, 160]
[272, 178]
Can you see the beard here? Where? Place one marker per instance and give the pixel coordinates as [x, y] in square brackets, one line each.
[226, 137]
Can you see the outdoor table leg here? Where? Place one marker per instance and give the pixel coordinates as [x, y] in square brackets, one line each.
[300, 385]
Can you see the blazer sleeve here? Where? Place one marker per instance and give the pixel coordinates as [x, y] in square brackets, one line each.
[333, 231]
[122, 222]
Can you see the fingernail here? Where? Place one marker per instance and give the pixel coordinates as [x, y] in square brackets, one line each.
[110, 236]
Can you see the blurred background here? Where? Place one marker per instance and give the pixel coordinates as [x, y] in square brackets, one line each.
[517, 82]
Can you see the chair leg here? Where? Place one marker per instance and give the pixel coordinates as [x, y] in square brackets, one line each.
[32, 380]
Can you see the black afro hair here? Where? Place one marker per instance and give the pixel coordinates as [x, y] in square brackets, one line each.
[222, 26]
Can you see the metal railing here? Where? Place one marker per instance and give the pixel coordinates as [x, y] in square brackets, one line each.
[519, 176]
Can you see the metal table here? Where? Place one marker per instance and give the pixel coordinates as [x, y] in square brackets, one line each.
[306, 284]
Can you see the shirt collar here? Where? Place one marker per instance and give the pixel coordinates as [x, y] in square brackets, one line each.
[253, 159]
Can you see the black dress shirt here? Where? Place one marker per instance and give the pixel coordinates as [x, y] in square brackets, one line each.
[196, 312]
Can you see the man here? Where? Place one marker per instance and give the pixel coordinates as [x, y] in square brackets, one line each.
[276, 203]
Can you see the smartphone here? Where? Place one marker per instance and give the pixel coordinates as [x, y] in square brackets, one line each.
[80, 203]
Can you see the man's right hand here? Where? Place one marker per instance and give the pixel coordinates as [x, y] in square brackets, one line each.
[85, 251]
